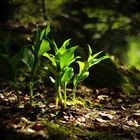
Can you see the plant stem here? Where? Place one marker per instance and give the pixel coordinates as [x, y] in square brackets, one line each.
[56, 101]
[74, 92]
[58, 88]
[31, 84]
[58, 95]
[65, 95]
[33, 71]
[18, 98]
[31, 92]
[59, 92]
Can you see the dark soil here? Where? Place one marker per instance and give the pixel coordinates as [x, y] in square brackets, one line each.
[98, 114]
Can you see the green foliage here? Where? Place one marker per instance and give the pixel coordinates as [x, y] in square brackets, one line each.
[133, 57]
[84, 67]
[59, 63]
[71, 132]
[41, 10]
[60, 66]
[31, 56]
[106, 25]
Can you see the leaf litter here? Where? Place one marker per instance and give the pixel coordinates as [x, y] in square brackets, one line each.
[106, 111]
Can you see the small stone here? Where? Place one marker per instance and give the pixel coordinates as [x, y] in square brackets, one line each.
[1, 96]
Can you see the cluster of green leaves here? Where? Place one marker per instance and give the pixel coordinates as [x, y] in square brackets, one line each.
[60, 66]
[84, 68]
[59, 63]
[32, 55]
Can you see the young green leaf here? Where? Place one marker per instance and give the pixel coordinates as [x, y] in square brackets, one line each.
[83, 66]
[96, 61]
[54, 46]
[83, 72]
[42, 34]
[44, 46]
[68, 57]
[80, 77]
[51, 58]
[47, 30]
[67, 74]
[63, 48]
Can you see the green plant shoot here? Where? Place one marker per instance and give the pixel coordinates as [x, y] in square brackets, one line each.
[60, 67]
[84, 68]
[31, 58]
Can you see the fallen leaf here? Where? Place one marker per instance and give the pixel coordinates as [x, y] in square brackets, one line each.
[29, 130]
[101, 120]
[103, 97]
[51, 105]
[132, 123]
[24, 120]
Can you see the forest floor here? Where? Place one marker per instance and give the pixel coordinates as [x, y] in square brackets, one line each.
[97, 114]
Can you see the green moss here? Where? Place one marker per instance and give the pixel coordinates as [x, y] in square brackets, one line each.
[69, 131]
[127, 87]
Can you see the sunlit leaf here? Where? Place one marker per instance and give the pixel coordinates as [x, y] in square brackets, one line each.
[96, 61]
[40, 44]
[68, 57]
[90, 50]
[80, 77]
[41, 34]
[51, 58]
[47, 30]
[63, 49]
[67, 74]
[83, 66]
[54, 46]
[45, 46]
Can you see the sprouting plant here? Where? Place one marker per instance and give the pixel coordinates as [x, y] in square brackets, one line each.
[60, 67]
[59, 62]
[9, 65]
[84, 68]
[66, 77]
[32, 56]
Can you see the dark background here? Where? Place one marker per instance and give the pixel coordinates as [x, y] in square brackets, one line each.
[113, 26]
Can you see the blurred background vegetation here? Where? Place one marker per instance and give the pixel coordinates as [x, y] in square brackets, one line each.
[113, 26]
